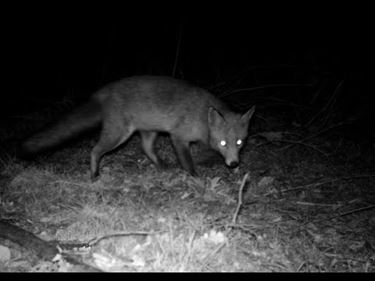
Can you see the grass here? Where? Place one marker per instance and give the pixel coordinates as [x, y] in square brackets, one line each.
[301, 210]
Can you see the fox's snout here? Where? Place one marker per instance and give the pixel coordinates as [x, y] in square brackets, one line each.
[232, 164]
[232, 161]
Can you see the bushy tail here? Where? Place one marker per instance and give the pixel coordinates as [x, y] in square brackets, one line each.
[81, 119]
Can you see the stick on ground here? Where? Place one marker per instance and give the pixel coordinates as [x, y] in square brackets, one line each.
[243, 183]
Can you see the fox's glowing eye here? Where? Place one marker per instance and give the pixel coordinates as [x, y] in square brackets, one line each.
[239, 142]
[223, 143]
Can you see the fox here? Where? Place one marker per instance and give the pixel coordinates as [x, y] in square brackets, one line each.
[150, 105]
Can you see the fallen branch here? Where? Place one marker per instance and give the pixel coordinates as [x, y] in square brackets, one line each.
[27, 240]
[42, 249]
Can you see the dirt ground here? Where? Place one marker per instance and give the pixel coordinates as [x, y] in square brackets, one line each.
[296, 204]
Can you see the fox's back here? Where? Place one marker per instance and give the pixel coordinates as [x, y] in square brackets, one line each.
[158, 103]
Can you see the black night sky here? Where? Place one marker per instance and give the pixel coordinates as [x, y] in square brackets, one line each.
[56, 50]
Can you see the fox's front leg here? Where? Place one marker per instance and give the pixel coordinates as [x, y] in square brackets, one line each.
[182, 148]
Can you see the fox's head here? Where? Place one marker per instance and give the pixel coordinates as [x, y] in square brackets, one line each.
[228, 133]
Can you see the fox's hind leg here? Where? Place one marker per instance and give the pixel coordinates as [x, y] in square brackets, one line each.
[112, 135]
[182, 149]
[148, 139]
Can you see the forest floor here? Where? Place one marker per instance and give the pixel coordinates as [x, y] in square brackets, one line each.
[296, 204]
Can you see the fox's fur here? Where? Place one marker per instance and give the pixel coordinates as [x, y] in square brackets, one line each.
[151, 104]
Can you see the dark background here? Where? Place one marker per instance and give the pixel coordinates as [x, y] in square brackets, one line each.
[65, 50]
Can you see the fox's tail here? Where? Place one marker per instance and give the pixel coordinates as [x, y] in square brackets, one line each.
[81, 119]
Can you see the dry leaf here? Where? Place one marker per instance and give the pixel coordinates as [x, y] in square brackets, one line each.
[4, 254]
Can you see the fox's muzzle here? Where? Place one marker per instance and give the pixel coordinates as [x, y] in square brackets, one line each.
[233, 164]
[232, 161]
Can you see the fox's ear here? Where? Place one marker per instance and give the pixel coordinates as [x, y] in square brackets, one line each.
[215, 118]
[248, 114]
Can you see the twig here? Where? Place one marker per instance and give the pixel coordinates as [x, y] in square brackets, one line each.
[300, 266]
[319, 184]
[304, 144]
[321, 85]
[95, 241]
[328, 104]
[190, 247]
[214, 252]
[339, 215]
[244, 228]
[244, 180]
[267, 86]
[317, 204]
[355, 211]
[301, 227]
[314, 135]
